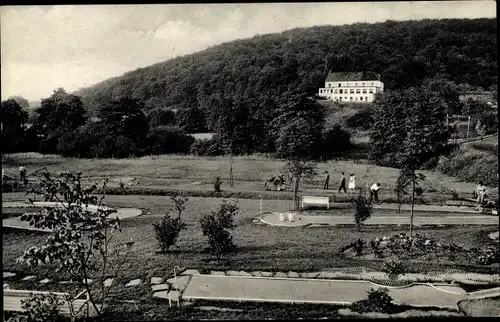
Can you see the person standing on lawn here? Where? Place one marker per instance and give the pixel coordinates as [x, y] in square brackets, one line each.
[374, 193]
[342, 183]
[352, 182]
[22, 174]
[481, 193]
[327, 181]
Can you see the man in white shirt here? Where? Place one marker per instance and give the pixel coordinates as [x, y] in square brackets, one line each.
[374, 192]
[481, 193]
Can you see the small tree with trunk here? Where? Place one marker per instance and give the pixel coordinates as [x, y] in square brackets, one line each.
[362, 209]
[298, 143]
[168, 230]
[79, 242]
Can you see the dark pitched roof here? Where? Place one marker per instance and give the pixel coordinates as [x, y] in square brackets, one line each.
[355, 76]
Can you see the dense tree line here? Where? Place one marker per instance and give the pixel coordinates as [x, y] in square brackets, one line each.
[404, 53]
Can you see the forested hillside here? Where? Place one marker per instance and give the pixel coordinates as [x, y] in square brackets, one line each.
[404, 53]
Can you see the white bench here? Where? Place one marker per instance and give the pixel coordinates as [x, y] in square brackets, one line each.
[322, 201]
[72, 306]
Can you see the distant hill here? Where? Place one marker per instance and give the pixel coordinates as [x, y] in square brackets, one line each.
[404, 53]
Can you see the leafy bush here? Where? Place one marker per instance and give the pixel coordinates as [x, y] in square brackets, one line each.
[378, 300]
[217, 182]
[215, 226]
[40, 308]
[169, 228]
[203, 147]
[362, 209]
[336, 139]
[160, 117]
[169, 139]
[362, 120]
[471, 166]
[394, 268]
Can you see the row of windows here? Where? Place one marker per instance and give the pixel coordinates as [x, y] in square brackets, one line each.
[348, 85]
[362, 99]
[350, 91]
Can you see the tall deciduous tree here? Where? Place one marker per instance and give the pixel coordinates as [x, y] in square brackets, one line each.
[409, 130]
[13, 121]
[298, 143]
[58, 114]
[25, 105]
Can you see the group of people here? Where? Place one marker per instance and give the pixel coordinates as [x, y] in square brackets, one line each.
[22, 175]
[352, 185]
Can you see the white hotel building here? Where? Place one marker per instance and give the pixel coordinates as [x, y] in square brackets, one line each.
[359, 87]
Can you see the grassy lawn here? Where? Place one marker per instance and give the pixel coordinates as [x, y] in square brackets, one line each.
[481, 308]
[249, 172]
[260, 248]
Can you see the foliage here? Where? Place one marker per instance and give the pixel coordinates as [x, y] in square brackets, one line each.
[217, 183]
[405, 53]
[13, 122]
[336, 139]
[192, 120]
[409, 128]
[471, 166]
[401, 189]
[298, 139]
[362, 119]
[40, 308]
[160, 117]
[362, 209]
[79, 240]
[215, 226]
[21, 101]
[205, 147]
[58, 114]
[378, 300]
[169, 228]
[394, 268]
[169, 139]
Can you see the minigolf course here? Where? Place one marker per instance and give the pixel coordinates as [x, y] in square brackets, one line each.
[340, 292]
[301, 220]
[122, 213]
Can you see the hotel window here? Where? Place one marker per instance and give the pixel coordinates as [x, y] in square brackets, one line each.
[345, 97]
[336, 91]
[363, 84]
[339, 85]
[331, 91]
[364, 90]
[370, 91]
[361, 98]
[352, 91]
[373, 84]
[358, 91]
[340, 91]
[351, 98]
[341, 99]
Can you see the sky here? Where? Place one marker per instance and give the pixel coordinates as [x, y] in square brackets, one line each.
[75, 46]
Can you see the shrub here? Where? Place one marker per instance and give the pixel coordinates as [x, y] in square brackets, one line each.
[215, 226]
[201, 147]
[362, 119]
[169, 139]
[393, 269]
[471, 166]
[39, 308]
[217, 182]
[336, 139]
[378, 300]
[362, 209]
[169, 228]
[160, 116]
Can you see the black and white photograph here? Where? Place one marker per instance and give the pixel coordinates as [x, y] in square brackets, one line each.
[250, 161]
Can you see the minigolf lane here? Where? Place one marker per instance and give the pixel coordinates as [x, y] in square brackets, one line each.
[122, 213]
[257, 289]
[304, 220]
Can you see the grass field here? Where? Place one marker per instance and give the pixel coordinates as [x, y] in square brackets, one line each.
[260, 247]
[187, 169]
